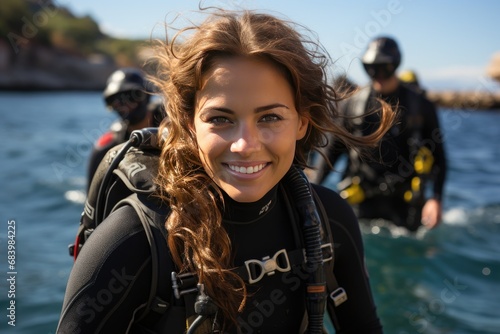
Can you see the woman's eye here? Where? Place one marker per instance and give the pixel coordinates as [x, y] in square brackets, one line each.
[270, 118]
[218, 120]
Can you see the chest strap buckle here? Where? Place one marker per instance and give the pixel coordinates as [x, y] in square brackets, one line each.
[256, 269]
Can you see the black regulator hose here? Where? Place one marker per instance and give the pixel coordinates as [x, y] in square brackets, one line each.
[144, 138]
[298, 184]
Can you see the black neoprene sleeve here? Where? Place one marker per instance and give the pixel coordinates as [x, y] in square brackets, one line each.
[109, 284]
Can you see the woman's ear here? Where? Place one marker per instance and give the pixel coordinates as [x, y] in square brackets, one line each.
[303, 126]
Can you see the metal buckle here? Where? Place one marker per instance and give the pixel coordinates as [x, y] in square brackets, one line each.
[330, 246]
[179, 281]
[323, 246]
[279, 262]
[338, 296]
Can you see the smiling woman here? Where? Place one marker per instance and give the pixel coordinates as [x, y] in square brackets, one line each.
[248, 99]
[246, 126]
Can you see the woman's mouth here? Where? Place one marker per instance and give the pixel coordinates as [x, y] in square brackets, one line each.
[247, 169]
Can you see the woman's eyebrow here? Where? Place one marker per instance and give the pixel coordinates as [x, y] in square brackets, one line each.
[221, 109]
[270, 106]
[257, 110]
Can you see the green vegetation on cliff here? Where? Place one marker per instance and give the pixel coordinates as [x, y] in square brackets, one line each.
[43, 23]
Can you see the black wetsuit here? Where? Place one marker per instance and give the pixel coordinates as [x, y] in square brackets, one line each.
[388, 170]
[110, 281]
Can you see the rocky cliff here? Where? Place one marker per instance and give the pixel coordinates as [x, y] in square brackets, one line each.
[36, 67]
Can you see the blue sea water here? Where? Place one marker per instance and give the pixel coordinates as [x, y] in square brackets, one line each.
[442, 281]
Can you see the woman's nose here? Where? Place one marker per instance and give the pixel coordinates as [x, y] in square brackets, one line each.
[246, 140]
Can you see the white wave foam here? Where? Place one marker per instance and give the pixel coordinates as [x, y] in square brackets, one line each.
[75, 196]
[456, 216]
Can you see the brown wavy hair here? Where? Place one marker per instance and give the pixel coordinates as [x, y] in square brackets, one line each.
[196, 237]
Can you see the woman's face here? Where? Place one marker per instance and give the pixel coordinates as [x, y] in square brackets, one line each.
[246, 126]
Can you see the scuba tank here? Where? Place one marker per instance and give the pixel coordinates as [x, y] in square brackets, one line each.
[99, 204]
[144, 138]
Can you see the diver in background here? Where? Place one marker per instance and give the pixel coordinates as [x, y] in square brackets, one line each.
[389, 182]
[127, 93]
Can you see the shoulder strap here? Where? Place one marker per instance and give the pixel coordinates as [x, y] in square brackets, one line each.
[336, 294]
[415, 121]
[152, 219]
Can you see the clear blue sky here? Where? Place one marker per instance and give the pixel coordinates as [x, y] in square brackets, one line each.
[449, 43]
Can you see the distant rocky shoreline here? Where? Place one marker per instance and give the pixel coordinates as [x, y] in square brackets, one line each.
[41, 69]
[471, 100]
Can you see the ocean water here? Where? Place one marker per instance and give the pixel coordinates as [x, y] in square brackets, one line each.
[442, 281]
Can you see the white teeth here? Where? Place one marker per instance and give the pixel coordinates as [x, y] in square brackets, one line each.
[247, 170]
